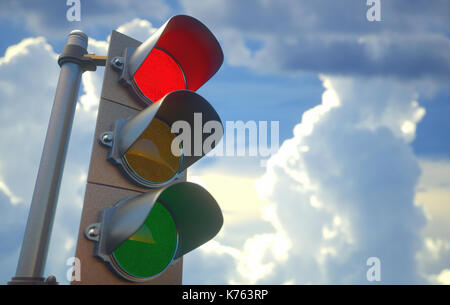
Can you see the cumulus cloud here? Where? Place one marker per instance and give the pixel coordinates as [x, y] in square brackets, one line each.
[331, 36]
[139, 29]
[49, 17]
[340, 191]
[444, 277]
[433, 193]
[239, 254]
[23, 88]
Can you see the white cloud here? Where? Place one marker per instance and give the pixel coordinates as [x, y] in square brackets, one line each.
[330, 36]
[444, 277]
[139, 29]
[348, 197]
[361, 172]
[237, 53]
[433, 194]
[244, 206]
[45, 16]
[12, 198]
[24, 112]
[240, 243]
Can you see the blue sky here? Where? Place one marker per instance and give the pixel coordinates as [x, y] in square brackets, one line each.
[364, 160]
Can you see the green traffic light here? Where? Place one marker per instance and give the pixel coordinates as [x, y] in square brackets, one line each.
[150, 249]
[140, 236]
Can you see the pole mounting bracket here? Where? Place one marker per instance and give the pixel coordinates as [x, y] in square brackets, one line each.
[78, 55]
[99, 60]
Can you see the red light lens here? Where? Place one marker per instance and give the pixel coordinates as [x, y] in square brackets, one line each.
[158, 75]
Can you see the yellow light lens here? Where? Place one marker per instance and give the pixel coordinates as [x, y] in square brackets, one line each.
[150, 157]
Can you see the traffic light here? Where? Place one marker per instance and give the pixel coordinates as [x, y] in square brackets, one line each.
[140, 216]
[181, 54]
[145, 147]
[140, 236]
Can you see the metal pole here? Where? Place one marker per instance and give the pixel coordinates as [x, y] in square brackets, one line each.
[33, 255]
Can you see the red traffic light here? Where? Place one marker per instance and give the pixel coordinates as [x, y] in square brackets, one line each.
[181, 54]
[158, 75]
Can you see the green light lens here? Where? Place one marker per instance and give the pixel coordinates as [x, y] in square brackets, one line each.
[151, 249]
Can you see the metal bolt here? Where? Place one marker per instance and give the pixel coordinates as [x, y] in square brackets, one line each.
[107, 138]
[118, 61]
[93, 232]
[51, 280]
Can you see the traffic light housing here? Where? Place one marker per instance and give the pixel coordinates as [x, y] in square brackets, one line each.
[140, 216]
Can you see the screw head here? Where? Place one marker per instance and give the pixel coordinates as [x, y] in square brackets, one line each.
[106, 138]
[118, 61]
[92, 232]
[51, 280]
